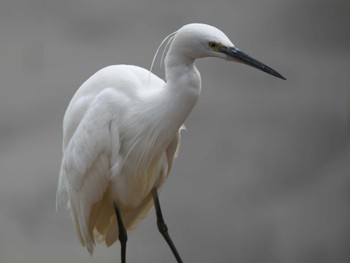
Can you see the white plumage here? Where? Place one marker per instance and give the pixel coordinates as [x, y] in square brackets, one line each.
[121, 133]
[109, 151]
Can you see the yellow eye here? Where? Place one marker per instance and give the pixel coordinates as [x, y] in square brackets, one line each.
[213, 45]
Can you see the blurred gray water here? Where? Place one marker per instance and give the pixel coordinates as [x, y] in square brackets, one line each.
[264, 169]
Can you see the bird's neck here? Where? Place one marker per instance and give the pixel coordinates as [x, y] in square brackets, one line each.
[183, 85]
[182, 77]
[160, 116]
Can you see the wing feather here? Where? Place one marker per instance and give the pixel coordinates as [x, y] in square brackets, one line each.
[86, 164]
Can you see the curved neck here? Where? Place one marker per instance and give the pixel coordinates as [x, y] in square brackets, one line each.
[181, 74]
[167, 108]
[177, 98]
[181, 91]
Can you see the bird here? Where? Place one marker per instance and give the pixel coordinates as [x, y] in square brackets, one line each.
[121, 134]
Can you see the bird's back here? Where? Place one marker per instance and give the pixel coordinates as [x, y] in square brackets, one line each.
[127, 80]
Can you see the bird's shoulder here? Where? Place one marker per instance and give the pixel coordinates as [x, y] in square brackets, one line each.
[114, 87]
[122, 78]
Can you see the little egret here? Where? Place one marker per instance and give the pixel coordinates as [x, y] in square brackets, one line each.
[121, 133]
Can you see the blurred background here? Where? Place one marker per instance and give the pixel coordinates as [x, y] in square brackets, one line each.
[264, 169]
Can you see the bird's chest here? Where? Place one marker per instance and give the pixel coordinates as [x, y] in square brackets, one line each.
[142, 167]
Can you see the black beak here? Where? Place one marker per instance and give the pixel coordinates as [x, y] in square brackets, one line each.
[238, 55]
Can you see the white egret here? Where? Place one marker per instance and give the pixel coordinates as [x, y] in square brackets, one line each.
[121, 134]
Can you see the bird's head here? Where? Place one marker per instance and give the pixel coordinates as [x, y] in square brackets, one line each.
[200, 40]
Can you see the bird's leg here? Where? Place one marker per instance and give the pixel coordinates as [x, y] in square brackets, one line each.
[162, 227]
[122, 234]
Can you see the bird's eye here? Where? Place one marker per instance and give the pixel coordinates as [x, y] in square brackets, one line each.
[213, 45]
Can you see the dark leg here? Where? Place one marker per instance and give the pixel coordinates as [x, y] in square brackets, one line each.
[163, 229]
[123, 236]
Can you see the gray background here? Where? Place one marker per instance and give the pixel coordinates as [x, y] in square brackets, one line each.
[264, 169]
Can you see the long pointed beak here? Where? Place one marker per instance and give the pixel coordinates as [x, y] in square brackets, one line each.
[238, 55]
